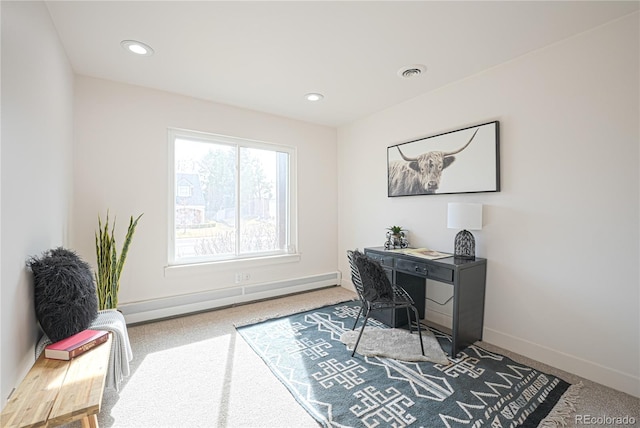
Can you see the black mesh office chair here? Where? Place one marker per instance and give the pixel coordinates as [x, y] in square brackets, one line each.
[376, 292]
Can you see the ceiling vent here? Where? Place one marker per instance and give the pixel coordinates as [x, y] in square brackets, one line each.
[412, 71]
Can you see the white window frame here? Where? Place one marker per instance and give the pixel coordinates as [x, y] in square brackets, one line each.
[290, 252]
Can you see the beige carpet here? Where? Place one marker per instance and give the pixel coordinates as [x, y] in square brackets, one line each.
[196, 371]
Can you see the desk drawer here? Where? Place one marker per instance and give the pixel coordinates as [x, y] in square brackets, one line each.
[386, 261]
[441, 273]
[410, 266]
[427, 270]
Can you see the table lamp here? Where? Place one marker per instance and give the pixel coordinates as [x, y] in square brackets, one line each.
[464, 216]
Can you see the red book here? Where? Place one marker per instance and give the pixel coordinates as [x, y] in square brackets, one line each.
[75, 345]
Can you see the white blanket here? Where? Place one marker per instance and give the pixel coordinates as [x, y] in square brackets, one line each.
[121, 353]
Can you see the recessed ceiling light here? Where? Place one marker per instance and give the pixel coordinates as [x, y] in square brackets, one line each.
[412, 71]
[137, 47]
[314, 96]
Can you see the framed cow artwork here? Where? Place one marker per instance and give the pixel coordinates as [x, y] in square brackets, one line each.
[463, 161]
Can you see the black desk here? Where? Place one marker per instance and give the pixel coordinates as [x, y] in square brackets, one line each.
[468, 278]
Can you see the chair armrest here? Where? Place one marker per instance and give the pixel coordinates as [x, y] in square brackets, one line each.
[402, 293]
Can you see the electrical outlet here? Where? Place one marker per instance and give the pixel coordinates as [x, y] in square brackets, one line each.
[242, 277]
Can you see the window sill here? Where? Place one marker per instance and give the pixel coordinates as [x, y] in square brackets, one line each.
[172, 271]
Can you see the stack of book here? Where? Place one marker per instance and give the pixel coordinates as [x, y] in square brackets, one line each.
[75, 345]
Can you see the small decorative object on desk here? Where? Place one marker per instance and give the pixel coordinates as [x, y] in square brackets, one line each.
[464, 216]
[465, 246]
[76, 345]
[396, 238]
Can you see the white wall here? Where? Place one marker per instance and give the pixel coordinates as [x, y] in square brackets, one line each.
[121, 164]
[561, 238]
[37, 130]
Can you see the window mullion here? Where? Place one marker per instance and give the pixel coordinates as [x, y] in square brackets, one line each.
[238, 204]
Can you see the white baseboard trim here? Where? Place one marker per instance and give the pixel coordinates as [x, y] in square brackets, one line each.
[155, 309]
[607, 376]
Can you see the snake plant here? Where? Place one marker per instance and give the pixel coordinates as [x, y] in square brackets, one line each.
[109, 263]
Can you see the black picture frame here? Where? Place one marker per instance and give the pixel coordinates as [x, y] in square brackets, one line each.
[466, 160]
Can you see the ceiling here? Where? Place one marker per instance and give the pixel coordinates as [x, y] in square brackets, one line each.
[266, 55]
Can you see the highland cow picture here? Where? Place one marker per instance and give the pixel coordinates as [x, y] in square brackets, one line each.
[462, 161]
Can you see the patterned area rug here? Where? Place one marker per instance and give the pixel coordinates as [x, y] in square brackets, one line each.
[480, 388]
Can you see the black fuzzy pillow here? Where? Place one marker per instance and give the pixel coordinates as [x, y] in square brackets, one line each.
[64, 293]
[374, 279]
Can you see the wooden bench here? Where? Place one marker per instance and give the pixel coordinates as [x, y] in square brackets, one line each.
[56, 392]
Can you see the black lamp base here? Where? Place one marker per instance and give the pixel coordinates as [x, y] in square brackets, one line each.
[465, 246]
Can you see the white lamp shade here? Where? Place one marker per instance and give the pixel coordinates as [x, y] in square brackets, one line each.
[464, 216]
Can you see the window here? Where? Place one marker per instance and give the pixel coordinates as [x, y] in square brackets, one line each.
[231, 198]
[184, 191]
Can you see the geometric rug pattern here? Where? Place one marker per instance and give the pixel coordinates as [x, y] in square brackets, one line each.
[478, 388]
